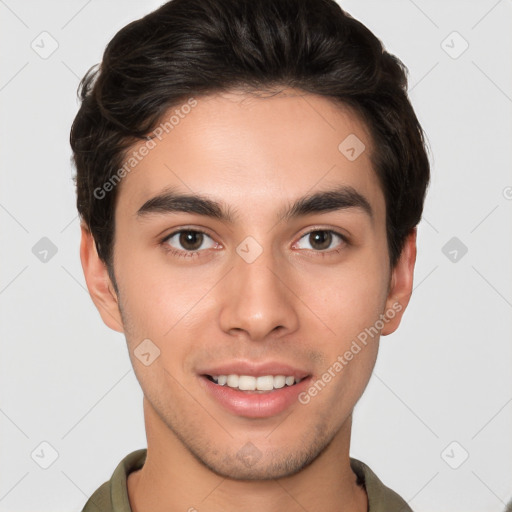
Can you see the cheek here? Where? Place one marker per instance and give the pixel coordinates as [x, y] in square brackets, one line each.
[350, 298]
[350, 307]
[166, 306]
[156, 296]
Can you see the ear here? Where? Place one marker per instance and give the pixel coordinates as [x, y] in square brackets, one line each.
[400, 288]
[99, 283]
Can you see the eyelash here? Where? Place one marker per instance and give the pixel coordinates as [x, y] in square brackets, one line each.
[192, 254]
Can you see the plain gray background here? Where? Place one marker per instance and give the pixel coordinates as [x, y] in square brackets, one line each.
[435, 422]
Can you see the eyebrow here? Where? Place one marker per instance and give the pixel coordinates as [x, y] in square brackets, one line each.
[340, 198]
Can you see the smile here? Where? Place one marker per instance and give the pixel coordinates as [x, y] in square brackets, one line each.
[242, 396]
[263, 383]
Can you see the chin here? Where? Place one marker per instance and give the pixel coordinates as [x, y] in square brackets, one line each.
[251, 464]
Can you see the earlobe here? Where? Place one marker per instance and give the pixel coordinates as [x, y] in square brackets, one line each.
[401, 285]
[98, 281]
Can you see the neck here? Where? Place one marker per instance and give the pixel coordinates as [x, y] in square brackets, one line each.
[173, 479]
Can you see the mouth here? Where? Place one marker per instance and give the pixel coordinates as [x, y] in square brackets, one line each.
[254, 384]
[255, 392]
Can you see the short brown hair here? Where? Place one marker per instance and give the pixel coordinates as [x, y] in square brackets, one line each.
[197, 47]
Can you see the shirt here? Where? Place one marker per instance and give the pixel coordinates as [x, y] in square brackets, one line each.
[112, 496]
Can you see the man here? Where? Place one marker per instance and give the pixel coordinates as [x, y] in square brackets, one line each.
[250, 174]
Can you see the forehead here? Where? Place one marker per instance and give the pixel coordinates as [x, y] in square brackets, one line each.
[237, 146]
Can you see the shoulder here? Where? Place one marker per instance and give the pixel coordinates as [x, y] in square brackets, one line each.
[380, 497]
[112, 496]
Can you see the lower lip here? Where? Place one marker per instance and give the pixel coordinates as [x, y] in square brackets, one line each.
[255, 405]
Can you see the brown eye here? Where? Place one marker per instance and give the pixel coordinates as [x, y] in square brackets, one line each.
[321, 240]
[191, 240]
[188, 240]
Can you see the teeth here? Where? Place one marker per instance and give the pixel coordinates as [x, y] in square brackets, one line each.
[265, 383]
[232, 381]
[246, 383]
[250, 383]
[279, 381]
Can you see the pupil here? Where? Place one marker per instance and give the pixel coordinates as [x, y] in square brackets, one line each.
[187, 238]
[323, 238]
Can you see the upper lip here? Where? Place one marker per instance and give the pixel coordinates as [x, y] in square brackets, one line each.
[255, 369]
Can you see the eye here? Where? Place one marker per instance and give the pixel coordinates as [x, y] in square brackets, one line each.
[320, 240]
[188, 241]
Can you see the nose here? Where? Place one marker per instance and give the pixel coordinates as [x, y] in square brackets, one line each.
[257, 298]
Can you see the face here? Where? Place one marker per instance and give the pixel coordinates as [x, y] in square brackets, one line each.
[242, 282]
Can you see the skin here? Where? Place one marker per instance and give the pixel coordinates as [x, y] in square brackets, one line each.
[292, 304]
